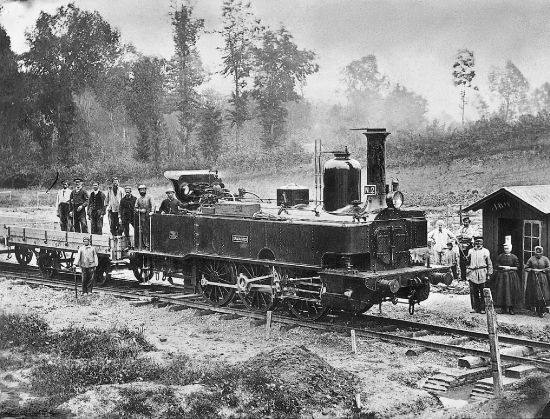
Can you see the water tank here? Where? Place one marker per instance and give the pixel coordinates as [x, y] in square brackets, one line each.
[341, 180]
[292, 194]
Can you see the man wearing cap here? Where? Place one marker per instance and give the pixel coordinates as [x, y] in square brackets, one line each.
[143, 209]
[63, 206]
[86, 258]
[114, 195]
[440, 237]
[465, 237]
[78, 203]
[170, 205]
[127, 205]
[96, 209]
[478, 270]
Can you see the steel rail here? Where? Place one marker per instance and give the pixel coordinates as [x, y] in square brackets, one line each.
[384, 336]
[461, 332]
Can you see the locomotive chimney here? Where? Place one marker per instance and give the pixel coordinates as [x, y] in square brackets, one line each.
[376, 163]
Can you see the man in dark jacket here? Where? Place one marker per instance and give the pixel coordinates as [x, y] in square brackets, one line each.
[126, 209]
[96, 209]
[79, 202]
[170, 205]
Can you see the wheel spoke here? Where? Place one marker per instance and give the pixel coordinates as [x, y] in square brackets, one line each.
[221, 272]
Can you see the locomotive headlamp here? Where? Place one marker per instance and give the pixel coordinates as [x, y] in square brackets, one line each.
[394, 199]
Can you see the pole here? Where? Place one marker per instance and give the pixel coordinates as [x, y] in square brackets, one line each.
[268, 324]
[496, 366]
[353, 342]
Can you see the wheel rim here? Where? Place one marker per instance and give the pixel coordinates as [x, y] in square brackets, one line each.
[23, 255]
[46, 263]
[102, 276]
[143, 269]
[218, 271]
[307, 310]
[257, 300]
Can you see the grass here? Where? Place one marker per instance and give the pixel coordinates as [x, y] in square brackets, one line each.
[78, 359]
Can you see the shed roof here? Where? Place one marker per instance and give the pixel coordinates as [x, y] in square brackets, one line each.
[535, 196]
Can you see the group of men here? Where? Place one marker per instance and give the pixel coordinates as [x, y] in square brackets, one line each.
[76, 206]
[473, 262]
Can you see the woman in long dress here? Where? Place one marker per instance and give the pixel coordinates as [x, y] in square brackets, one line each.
[507, 288]
[537, 289]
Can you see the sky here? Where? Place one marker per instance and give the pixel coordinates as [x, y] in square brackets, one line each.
[415, 41]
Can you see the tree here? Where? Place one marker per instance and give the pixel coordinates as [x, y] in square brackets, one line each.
[279, 68]
[185, 71]
[405, 109]
[362, 75]
[240, 30]
[365, 89]
[511, 86]
[463, 74]
[210, 128]
[144, 100]
[541, 97]
[68, 52]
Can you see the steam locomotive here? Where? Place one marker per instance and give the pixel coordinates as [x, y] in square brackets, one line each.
[342, 254]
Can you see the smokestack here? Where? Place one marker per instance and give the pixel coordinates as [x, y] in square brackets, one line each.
[376, 162]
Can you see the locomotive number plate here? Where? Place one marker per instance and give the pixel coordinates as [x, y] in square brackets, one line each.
[173, 235]
[370, 189]
[235, 238]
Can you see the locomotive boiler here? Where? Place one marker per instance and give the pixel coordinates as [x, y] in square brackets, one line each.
[346, 254]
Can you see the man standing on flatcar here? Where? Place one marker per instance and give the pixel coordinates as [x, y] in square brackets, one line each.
[465, 237]
[63, 206]
[78, 203]
[96, 209]
[170, 205]
[127, 205]
[86, 258]
[479, 269]
[143, 208]
[114, 195]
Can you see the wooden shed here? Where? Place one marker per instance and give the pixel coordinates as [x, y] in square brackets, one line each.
[518, 211]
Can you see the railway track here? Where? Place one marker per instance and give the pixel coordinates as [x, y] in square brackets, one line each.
[361, 325]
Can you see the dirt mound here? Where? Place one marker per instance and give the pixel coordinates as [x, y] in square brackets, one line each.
[301, 373]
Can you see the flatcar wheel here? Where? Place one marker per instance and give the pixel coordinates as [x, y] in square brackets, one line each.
[221, 272]
[47, 263]
[259, 300]
[23, 255]
[143, 268]
[102, 274]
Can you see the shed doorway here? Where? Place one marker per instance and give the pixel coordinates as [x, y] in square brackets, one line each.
[510, 227]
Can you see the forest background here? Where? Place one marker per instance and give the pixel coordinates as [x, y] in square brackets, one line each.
[82, 103]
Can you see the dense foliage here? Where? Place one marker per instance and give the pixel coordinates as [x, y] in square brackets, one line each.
[81, 103]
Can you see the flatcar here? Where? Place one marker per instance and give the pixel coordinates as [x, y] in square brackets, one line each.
[344, 253]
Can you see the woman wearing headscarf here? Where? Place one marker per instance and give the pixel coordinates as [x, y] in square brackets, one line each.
[507, 288]
[537, 289]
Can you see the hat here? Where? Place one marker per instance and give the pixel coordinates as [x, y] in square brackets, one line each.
[507, 241]
[142, 186]
[77, 179]
[115, 178]
[170, 191]
[450, 243]
[478, 238]
[465, 218]
[538, 249]
[128, 187]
